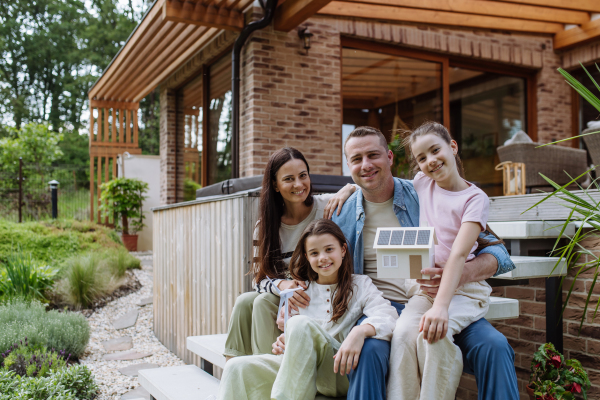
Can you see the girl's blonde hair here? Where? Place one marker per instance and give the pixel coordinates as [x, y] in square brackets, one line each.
[301, 270]
[425, 129]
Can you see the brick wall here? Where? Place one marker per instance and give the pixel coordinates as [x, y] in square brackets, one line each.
[172, 170]
[290, 98]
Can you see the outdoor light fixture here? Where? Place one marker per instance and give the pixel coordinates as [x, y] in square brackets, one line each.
[305, 35]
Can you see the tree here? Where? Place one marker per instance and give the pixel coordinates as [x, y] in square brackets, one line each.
[35, 143]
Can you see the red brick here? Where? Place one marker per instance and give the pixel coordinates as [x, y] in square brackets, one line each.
[519, 292]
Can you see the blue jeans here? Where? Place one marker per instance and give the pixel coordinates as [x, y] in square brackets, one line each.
[486, 354]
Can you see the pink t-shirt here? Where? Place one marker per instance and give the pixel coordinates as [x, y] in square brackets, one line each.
[446, 211]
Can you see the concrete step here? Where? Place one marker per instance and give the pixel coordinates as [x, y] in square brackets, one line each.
[531, 229]
[502, 308]
[535, 267]
[211, 347]
[187, 382]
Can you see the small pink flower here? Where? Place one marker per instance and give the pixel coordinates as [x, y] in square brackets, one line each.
[576, 387]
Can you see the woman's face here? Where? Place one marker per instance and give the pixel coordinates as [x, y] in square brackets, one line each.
[293, 182]
[325, 254]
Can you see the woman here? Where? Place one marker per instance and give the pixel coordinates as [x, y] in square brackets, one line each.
[287, 206]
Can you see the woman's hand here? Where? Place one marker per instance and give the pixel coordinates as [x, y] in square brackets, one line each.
[348, 355]
[279, 345]
[434, 324]
[300, 299]
[338, 200]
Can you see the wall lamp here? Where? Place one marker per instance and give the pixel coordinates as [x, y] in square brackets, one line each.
[304, 34]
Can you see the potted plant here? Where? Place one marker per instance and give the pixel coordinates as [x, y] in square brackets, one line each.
[553, 378]
[123, 198]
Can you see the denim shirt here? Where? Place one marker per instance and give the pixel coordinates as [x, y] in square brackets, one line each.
[406, 207]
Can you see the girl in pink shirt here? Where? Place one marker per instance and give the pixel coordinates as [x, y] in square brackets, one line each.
[424, 361]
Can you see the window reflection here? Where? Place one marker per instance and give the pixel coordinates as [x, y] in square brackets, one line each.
[220, 121]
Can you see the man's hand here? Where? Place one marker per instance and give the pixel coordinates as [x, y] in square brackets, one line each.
[434, 324]
[279, 345]
[348, 355]
[337, 201]
[431, 286]
[300, 299]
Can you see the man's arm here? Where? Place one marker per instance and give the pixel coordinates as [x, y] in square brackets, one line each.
[482, 267]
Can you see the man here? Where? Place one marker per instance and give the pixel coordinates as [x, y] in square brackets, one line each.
[385, 201]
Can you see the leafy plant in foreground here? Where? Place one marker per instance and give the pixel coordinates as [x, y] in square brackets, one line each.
[123, 198]
[553, 378]
[22, 276]
[33, 361]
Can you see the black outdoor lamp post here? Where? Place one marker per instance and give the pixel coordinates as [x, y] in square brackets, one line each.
[305, 35]
[54, 189]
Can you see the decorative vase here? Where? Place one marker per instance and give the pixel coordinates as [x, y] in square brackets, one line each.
[530, 392]
[130, 242]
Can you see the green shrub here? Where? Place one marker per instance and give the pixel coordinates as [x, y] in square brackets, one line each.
[22, 276]
[189, 189]
[73, 383]
[52, 242]
[33, 361]
[119, 261]
[21, 319]
[88, 278]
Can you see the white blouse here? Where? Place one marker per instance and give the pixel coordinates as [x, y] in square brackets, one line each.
[366, 299]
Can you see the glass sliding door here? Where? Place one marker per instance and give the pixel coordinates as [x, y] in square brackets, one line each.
[486, 109]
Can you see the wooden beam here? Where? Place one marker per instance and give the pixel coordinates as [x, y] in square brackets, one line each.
[114, 104]
[202, 15]
[583, 5]
[492, 8]
[142, 31]
[405, 14]
[577, 35]
[294, 12]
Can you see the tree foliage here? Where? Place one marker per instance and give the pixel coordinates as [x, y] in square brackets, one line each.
[35, 143]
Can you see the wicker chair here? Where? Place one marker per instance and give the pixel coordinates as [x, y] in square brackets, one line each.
[552, 161]
[592, 142]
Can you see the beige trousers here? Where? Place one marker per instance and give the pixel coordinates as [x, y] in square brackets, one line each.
[423, 371]
[304, 369]
[252, 326]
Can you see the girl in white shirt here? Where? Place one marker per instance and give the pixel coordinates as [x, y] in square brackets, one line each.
[322, 339]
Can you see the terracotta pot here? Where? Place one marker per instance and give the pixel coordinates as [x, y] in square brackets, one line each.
[530, 392]
[130, 242]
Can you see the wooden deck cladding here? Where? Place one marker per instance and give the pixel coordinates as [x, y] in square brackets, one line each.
[202, 253]
[113, 131]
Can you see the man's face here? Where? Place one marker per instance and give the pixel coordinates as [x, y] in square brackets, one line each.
[369, 162]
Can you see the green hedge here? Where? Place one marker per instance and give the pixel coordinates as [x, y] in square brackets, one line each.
[21, 319]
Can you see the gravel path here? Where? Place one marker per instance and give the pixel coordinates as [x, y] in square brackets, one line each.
[111, 382]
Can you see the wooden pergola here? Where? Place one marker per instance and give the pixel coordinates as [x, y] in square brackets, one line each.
[172, 31]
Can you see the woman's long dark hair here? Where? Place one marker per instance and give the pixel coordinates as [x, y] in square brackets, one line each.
[300, 267]
[270, 262]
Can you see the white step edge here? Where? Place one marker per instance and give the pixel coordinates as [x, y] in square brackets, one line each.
[534, 267]
[209, 347]
[502, 308]
[186, 382]
[531, 229]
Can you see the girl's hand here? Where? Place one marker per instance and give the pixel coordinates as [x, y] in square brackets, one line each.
[434, 324]
[300, 299]
[348, 355]
[279, 345]
[281, 319]
[338, 200]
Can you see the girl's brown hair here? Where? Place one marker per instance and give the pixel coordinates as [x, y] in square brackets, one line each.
[270, 261]
[301, 270]
[441, 131]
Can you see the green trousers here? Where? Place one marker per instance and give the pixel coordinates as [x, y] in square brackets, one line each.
[304, 369]
[252, 327]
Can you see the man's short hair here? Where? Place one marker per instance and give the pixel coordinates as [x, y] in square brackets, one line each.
[363, 131]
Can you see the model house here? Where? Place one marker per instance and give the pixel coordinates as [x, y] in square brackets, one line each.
[403, 252]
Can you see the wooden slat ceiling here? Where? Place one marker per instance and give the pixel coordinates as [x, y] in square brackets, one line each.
[571, 22]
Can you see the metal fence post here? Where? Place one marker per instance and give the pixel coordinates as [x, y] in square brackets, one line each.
[20, 189]
[54, 187]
